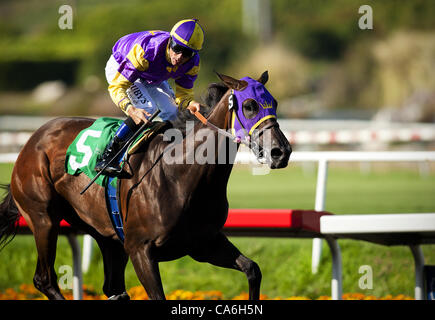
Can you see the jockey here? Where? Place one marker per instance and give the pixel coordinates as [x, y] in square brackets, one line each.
[137, 73]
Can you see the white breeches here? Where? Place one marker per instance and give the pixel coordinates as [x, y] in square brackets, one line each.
[147, 96]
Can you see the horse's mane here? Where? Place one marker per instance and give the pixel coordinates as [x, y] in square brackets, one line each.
[209, 100]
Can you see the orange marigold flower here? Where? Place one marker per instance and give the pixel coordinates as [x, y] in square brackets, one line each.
[242, 296]
[298, 298]
[186, 295]
[29, 292]
[137, 293]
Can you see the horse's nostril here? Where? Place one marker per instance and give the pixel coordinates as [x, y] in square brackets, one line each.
[276, 153]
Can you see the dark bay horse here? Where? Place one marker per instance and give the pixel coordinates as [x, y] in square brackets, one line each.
[169, 210]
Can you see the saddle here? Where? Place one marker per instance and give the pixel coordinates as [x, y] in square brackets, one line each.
[143, 139]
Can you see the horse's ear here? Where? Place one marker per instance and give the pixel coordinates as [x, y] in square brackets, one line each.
[232, 83]
[264, 77]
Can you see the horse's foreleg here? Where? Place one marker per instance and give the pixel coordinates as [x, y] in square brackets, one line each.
[147, 270]
[221, 252]
[253, 273]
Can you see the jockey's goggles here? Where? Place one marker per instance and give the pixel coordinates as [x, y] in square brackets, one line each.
[180, 49]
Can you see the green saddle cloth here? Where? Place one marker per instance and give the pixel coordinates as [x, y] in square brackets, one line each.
[83, 153]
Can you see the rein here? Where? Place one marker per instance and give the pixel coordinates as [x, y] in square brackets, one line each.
[248, 143]
[219, 130]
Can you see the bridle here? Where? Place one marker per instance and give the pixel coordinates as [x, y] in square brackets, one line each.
[247, 141]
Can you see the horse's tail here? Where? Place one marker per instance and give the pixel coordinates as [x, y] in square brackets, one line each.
[8, 218]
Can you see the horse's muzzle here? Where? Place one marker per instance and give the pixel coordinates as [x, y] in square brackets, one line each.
[271, 146]
[279, 150]
[279, 156]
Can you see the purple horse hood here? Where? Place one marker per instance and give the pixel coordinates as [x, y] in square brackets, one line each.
[267, 108]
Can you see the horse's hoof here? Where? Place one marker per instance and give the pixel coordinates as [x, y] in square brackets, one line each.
[122, 296]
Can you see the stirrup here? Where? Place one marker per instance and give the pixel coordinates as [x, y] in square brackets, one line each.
[112, 168]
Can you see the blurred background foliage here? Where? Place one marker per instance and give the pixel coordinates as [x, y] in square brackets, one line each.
[317, 56]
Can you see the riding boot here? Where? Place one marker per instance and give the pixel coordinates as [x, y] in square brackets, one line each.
[108, 155]
[125, 131]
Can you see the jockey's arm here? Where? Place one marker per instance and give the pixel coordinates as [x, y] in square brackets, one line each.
[124, 79]
[118, 91]
[184, 90]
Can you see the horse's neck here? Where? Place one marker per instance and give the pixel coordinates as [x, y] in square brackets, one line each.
[219, 168]
[219, 117]
[219, 112]
[199, 181]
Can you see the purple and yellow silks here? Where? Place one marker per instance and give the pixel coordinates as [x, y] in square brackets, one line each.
[145, 55]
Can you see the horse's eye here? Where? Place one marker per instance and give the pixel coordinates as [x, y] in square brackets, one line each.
[250, 108]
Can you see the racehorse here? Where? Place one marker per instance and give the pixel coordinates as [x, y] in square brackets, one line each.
[169, 211]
